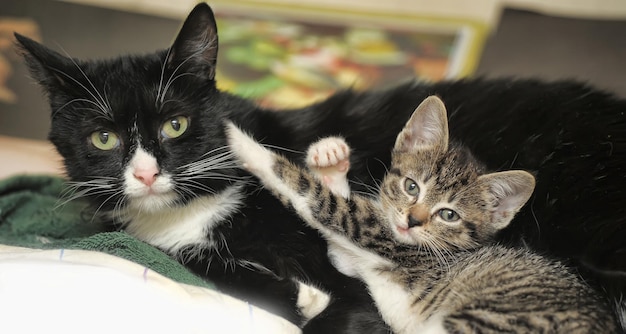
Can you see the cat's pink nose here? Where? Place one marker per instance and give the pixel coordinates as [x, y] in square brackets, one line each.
[146, 176]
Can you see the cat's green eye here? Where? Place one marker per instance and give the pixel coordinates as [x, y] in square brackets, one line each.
[449, 215]
[174, 127]
[411, 187]
[105, 140]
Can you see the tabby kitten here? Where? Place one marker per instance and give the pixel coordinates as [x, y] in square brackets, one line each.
[423, 246]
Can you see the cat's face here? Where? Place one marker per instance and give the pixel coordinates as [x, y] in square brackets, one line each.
[438, 195]
[433, 198]
[139, 131]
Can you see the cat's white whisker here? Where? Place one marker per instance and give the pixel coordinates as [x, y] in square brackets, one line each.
[220, 160]
[167, 56]
[197, 185]
[201, 49]
[76, 190]
[104, 103]
[171, 81]
[115, 194]
[99, 110]
[184, 190]
[209, 166]
[280, 148]
[99, 102]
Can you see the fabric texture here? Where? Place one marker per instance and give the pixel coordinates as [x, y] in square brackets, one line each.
[33, 214]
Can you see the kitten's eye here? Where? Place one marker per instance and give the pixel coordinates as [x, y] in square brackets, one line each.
[105, 140]
[174, 127]
[449, 215]
[411, 187]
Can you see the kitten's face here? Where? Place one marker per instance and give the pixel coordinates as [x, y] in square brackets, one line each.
[438, 195]
[434, 199]
[135, 131]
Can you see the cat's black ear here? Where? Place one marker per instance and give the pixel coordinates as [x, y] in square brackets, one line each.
[195, 46]
[46, 66]
[426, 129]
[507, 192]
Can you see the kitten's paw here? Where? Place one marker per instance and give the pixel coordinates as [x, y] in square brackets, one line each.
[311, 301]
[329, 160]
[250, 153]
[329, 152]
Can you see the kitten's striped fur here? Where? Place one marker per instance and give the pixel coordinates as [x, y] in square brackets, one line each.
[428, 273]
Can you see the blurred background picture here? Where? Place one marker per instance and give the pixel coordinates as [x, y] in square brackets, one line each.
[289, 63]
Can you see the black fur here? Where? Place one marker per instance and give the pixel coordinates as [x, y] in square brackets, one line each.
[569, 134]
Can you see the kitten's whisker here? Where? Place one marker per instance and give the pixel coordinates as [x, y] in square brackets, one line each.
[436, 248]
[363, 193]
[376, 181]
[371, 190]
[383, 164]
[439, 246]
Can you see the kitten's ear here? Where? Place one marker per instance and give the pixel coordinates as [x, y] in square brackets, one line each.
[507, 192]
[426, 129]
[48, 67]
[196, 43]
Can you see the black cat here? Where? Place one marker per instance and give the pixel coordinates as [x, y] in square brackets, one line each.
[142, 137]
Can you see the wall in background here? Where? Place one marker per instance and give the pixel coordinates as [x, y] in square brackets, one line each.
[487, 11]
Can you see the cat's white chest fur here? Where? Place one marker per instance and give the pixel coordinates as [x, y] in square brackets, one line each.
[173, 229]
[152, 216]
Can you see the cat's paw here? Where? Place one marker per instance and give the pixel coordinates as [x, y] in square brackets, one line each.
[311, 301]
[250, 153]
[329, 160]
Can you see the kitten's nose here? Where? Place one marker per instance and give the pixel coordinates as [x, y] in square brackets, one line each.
[146, 176]
[414, 222]
[418, 215]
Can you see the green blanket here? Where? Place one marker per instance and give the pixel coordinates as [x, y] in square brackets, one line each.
[32, 215]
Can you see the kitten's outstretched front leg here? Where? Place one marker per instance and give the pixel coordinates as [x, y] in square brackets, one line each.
[293, 185]
[263, 163]
[346, 221]
[329, 160]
